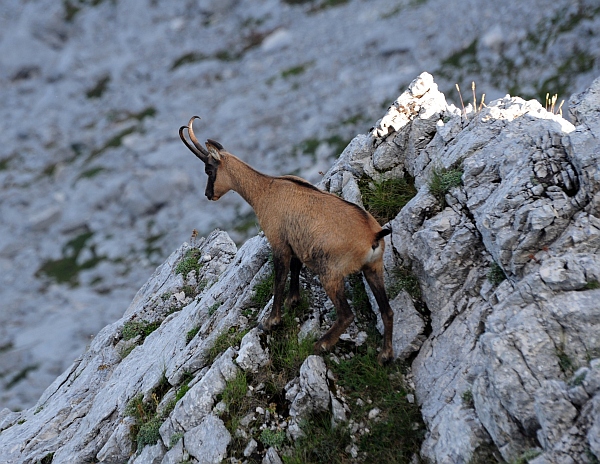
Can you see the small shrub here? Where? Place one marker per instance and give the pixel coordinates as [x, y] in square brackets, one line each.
[148, 432]
[496, 274]
[385, 199]
[442, 180]
[467, 399]
[148, 419]
[273, 438]
[214, 308]
[132, 329]
[564, 360]
[191, 334]
[190, 262]
[592, 285]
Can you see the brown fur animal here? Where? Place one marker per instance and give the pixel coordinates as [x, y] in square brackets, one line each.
[332, 237]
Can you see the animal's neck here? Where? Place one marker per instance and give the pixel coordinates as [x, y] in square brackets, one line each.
[247, 181]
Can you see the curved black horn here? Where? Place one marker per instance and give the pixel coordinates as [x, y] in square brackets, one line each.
[197, 149]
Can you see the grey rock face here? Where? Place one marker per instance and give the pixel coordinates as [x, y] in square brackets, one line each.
[505, 368]
[313, 393]
[208, 441]
[252, 356]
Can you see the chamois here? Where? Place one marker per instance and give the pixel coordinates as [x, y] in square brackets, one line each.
[332, 237]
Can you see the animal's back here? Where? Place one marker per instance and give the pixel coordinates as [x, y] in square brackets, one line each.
[320, 227]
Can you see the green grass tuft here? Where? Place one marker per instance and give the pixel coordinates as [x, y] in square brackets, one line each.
[263, 291]
[191, 334]
[384, 199]
[190, 262]
[132, 329]
[231, 337]
[496, 274]
[442, 180]
[276, 438]
[399, 430]
[320, 442]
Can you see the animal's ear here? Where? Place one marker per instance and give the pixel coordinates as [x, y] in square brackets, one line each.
[214, 149]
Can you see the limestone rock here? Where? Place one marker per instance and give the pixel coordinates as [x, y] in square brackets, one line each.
[208, 441]
[251, 356]
[313, 394]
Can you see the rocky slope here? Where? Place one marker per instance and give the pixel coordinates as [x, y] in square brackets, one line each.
[96, 189]
[501, 342]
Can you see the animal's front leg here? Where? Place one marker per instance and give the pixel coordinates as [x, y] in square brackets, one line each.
[281, 265]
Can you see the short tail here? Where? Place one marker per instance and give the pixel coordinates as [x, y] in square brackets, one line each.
[379, 235]
[382, 233]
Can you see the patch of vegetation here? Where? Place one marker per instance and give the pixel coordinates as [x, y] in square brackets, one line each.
[263, 291]
[92, 172]
[132, 329]
[566, 364]
[114, 142]
[4, 164]
[496, 274]
[238, 404]
[526, 456]
[214, 308]
[442, 180]
[72, 7]
[467, 399]
[398, 432]
[188, 58]
[287, 351]
[47, 459]
[295, 70]
[404, 279]
[231, 337]
[191, 334]
[66, 269]
[148, 418]
[592, 285]
[402, 6]
[98, 90]
[274, 438]
[190, 262]
[395, 436]
[384, 199]
[320, 443]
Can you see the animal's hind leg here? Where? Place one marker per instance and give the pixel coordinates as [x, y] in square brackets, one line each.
[281, 265]
[375, 280]
[294, 294]
[335, 291]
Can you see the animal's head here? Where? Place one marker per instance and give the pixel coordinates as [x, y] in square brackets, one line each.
[214, 158]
